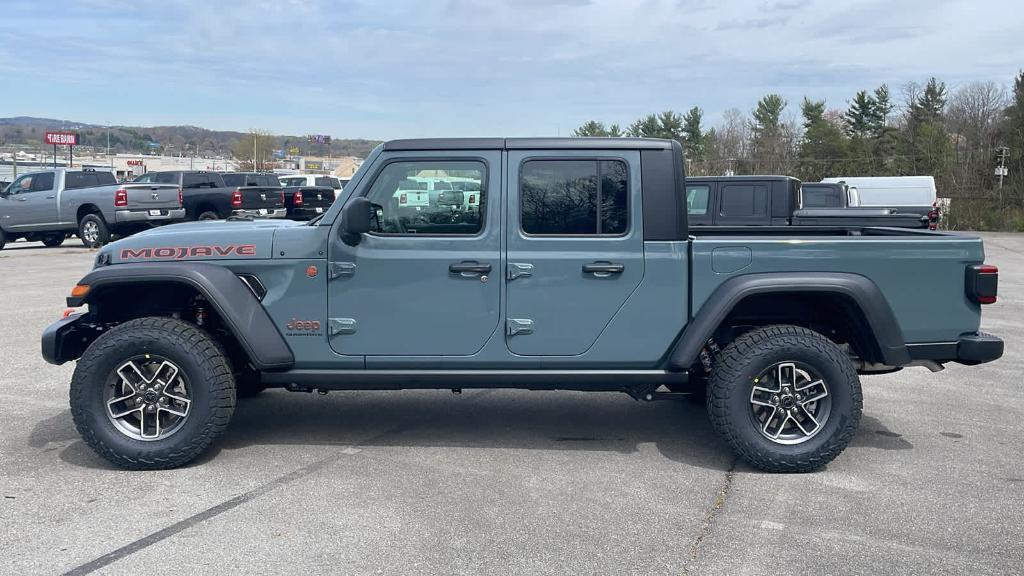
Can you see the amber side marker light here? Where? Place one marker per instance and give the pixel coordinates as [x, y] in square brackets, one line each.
[79, 290]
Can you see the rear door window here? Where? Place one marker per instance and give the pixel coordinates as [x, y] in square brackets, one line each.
[574, 197]
[745, 203]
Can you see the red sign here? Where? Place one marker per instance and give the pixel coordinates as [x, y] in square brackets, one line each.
[135, 162]
[62, 138]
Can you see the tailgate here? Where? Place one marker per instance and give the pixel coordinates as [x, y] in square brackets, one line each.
[152, 196]
[261, 197]
[317, 196]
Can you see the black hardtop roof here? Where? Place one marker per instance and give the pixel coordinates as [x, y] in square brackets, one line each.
[529, 144]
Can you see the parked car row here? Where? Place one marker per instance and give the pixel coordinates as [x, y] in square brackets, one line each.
[49, 205]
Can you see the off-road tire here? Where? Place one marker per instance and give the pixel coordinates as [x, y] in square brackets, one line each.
[102, 234]
[53, 240]
[200, 358]
[730, 388]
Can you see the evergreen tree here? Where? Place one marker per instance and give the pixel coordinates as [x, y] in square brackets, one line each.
[646, 127]
[769, 139]
[823, 144]
[591, 128]
[930, 105]
[861, 116]
[883, 107]
[693, 134]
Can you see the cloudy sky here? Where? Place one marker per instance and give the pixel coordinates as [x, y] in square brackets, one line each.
[398, 68]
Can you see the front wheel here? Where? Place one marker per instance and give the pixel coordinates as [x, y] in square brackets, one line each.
[785, 398]
[93, 231]
[152, 393]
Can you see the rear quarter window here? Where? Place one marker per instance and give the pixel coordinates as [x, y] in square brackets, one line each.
[744, 200]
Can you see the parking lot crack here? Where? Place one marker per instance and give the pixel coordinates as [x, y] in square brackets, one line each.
[709, 517]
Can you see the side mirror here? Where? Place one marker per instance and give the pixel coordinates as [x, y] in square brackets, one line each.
[355, 220]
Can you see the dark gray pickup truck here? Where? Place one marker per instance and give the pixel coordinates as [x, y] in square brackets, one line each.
[208, 195]
[576, 270]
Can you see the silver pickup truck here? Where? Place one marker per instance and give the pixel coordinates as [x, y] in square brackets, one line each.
[50, 204]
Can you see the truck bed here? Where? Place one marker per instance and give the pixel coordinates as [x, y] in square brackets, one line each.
[921, 273]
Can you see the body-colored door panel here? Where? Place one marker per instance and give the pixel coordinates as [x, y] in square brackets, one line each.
[426, 283]
[573, 284]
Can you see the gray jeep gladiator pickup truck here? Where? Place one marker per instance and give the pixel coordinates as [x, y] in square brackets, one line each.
[578, 271]
[48, 205]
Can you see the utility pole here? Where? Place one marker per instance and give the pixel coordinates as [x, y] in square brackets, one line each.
[254, 150]
[1003, 153]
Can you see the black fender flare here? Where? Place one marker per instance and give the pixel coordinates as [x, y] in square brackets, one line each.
[234, 302]
[860, 289]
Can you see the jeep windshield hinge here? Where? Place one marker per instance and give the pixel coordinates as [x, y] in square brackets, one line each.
[519, 326]
[341, 326]
[517, 269]
[342, 269]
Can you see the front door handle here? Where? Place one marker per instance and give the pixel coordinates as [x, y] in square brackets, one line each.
[22, 199]
[603, 269]
[50, 197]
[469, 269]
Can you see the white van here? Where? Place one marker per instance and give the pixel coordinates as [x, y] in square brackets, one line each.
[892, 191]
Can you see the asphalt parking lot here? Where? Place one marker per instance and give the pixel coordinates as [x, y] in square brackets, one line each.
[512, 482]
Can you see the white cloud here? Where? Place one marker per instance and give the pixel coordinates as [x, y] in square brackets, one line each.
[470, 67]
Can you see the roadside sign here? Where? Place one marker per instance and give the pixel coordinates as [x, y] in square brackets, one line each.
[62, 138]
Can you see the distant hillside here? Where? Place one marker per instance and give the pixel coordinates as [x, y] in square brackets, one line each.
[25, 130]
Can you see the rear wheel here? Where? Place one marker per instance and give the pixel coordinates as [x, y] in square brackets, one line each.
[208, 215]
[3, 239]
[785, 398]
[152, 393]
[53, 240]
[93, 231]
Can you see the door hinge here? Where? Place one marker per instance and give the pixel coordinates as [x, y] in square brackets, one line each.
[341, 326]
[342, 269]
[519, 326]
[517, 269]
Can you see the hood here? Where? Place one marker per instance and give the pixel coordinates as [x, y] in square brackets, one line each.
[209, 240]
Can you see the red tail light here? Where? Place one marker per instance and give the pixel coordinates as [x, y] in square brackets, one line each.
[297, 198]
[236, 199]
[181, 198]
[282, 196]
[121, 198]
[403, 199]
[472, 198]
[982, 283]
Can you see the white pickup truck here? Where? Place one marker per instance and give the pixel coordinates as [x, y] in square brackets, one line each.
[49, 205]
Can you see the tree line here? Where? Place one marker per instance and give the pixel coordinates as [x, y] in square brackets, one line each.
[960, 136]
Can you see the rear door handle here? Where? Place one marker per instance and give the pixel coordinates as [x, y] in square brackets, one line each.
[51, 197]
[469, 269]
[603, 269]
